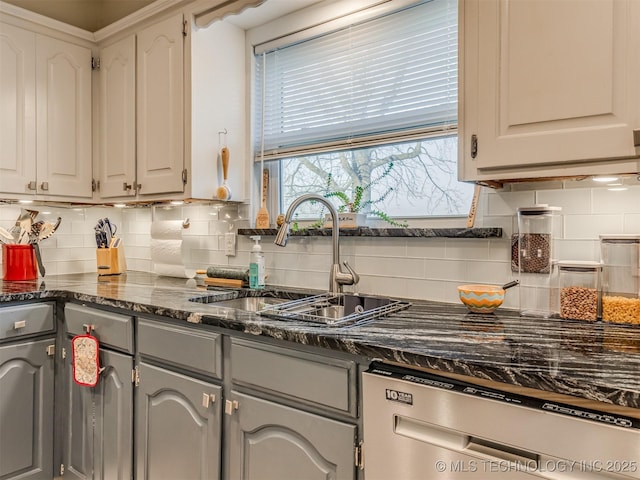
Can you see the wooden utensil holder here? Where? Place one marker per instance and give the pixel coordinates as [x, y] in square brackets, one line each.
[111, 261]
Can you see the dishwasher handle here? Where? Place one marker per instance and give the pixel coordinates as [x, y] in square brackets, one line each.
[463, 443]
[487, 448]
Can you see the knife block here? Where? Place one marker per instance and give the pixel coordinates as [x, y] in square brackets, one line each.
[111, 261]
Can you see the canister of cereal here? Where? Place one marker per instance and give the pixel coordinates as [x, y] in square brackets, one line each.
[538, 282]
[578, 289]
[620, 296]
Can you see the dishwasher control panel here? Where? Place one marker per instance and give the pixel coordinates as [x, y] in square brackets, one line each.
[430, 380]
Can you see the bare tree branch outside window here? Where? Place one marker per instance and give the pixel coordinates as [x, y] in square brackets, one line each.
[423, 178]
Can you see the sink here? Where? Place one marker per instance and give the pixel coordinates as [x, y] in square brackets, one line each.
[334, 310]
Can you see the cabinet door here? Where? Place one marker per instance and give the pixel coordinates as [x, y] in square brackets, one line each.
[63, 88]
[113, 436]
[26, 411]
[160, 107]
[78, 448]
[268, 441]
[17, 109]
[117, 106]
[99, 421]
[177, 426]
[550, 82]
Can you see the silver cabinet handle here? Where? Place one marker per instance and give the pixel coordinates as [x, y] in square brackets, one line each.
[636, 138]
[208, 399]
[44, 186]
[20, 324]
[230, 406]
[32, 185]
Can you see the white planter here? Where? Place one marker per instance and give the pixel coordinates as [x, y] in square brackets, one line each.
[347, 220]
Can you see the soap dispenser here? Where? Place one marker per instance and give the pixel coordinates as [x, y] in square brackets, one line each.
[256, 265]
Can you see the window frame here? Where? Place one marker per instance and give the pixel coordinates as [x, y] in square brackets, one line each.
[311, 21]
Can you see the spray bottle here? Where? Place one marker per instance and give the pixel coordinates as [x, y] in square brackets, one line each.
[256, 265]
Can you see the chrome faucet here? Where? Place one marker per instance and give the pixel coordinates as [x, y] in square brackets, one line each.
[337, 278]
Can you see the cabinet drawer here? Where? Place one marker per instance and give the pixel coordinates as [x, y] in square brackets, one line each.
[308, 377]
[24, 320]
[190, 348]
[110, 328]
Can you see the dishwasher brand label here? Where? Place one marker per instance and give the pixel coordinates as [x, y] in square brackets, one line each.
[398, 396]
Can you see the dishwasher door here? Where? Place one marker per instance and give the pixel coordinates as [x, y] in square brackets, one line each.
[424, 427]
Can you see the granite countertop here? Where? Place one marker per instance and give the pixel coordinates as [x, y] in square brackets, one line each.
[593, 361]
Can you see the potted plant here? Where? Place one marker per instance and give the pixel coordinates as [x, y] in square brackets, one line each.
[353, 211]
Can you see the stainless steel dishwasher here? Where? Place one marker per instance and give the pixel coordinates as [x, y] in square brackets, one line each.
[421, 426]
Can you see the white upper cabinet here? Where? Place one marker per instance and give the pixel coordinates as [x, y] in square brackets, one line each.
[163, 102]
[117, 130]
[63, 89]
[549, 88]
[18, 112]
[45, 115]
[160, 107]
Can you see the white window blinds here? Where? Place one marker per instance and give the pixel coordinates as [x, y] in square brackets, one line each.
[365, 83]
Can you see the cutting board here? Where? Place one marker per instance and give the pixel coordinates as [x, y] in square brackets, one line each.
[224, 282]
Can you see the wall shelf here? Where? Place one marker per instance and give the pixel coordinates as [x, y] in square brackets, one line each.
[488, 232]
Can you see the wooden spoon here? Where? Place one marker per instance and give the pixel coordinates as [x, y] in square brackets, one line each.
[262, 220]
[224, 192]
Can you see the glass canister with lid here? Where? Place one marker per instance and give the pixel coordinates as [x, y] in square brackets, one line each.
[620, 256]
[536, 272]
[578, 286]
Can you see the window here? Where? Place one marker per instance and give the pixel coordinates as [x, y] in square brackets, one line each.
[350, 101]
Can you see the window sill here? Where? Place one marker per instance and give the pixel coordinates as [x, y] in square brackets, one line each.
[489, 232]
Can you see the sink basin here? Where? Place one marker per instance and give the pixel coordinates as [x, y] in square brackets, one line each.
[250, 304]
[335, 310]
[247, 300]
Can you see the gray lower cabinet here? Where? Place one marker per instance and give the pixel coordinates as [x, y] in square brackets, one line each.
[178, 426]
[269, 441]
[99, 422]
[26, 410]
[27, 370]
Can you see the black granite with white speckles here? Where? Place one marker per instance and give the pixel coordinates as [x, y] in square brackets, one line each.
[595, 361]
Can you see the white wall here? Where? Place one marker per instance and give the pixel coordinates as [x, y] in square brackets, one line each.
[420, 268]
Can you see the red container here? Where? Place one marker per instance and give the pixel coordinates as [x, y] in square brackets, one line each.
[19, 262]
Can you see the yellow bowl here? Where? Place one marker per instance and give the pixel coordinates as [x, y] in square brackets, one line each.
[481, 298]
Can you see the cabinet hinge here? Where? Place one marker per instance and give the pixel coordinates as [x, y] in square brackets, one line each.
[184, 176]
[95, 63]
[61, 469]
[359, 456]
[135, 377]
[474, 146]
[51, 350]
[63, 354]
[184, 28]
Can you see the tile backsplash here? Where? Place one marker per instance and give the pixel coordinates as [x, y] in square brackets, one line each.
[420, 268]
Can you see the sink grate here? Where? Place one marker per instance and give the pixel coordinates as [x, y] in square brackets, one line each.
[335, 310]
